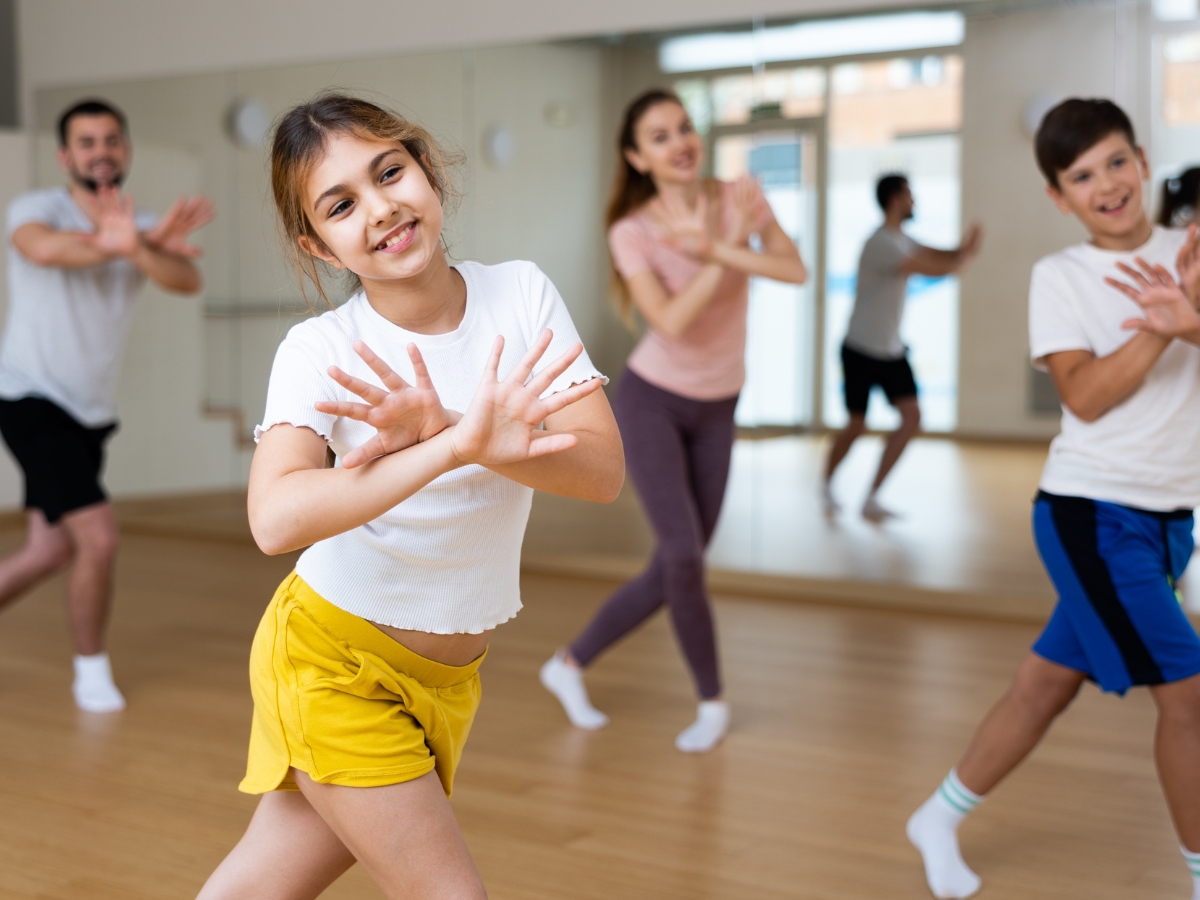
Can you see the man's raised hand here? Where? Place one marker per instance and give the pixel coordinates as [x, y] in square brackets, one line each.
[402, 415]
[1168, 312]
[171, 232]
[500, 425]
[116, 226]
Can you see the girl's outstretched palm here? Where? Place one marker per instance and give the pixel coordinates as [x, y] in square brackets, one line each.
[403, 415]
[500, 425]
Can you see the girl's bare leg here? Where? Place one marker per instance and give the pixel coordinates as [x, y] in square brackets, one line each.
[287, 853]
[405, 835]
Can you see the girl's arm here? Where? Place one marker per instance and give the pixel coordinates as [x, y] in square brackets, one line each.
[594, 469]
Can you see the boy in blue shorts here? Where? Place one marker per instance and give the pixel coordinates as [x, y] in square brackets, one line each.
[1113, 516]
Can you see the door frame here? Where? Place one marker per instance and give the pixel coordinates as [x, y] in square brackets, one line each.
[817, 127]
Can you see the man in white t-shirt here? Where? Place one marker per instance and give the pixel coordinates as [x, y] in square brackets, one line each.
[1113, 517]
[873, 354]
[78, 257]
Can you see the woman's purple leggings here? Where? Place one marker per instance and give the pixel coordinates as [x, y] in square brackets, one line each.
[677, 451]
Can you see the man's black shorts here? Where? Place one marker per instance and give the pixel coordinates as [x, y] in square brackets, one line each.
[862, 372]
[60, 457]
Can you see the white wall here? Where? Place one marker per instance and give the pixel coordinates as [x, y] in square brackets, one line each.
[1069, 51]
[15, 175]
[74, 41]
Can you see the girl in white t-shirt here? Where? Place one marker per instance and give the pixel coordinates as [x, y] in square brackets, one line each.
[364, 667]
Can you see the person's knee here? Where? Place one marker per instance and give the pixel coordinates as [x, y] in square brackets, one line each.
[50, 549]
[1179, 702]
[98, 541]
[910, 415]
[856, 425]
[1043, 691]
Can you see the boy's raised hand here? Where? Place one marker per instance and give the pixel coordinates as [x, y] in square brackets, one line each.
[1187, 264]
[1168, 311]
[403, 415]
[500, 425]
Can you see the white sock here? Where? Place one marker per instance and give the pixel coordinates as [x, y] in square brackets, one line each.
[933, 831]
[876, 511]
[1193, 861]
[828, 502]
[712, 722]
[94, 689]
[566, 683]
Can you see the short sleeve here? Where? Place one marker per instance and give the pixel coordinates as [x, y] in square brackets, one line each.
[627, 244]
[549, 311]
[34, 207]
[1053, 325]
[885, 252]
[297, 383]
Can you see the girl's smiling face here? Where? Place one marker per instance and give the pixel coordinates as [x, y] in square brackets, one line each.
[373, 209]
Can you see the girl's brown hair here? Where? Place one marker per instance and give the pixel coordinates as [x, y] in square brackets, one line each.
[632, 189]
[299, 145]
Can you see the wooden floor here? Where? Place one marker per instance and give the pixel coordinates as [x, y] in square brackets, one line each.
[845, 719]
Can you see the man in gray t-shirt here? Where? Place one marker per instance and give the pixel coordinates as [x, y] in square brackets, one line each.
[873, 354]
[78, 257]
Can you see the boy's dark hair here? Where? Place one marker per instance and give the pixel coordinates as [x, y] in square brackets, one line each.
[1074, 127]
[90, 107]
[888, 187]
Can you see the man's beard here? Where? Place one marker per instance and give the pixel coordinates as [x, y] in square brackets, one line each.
[91, 184]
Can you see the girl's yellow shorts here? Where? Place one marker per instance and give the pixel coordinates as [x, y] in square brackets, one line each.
[338, 699]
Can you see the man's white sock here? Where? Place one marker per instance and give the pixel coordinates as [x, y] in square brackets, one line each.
[1193, 861]
[566, 683]
[712, 722]
[94, 689]
[933, 831]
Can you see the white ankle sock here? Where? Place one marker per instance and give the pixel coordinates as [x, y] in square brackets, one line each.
[566, 683]
[712, 722]
[94, 689]
[829, 502]
[1193, 861]
[876, 511]
[933, 831]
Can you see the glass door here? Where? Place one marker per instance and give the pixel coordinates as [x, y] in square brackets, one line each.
[781, 358]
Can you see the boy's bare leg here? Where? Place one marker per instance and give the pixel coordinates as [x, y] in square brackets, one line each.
[1177, 754]
[47, 549]
[1040, 691]
[287, 853]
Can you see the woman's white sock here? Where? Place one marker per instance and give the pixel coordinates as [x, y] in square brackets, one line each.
[933, 830]
[1193, 861]
[566, 683]
[712, 722]
[94, 689]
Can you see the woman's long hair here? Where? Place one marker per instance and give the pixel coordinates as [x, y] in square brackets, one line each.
[1179, 196]
[632, 189]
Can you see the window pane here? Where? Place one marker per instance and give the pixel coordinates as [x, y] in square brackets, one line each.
[694, 94]
[774, 94]
[1181, 80]
[876, 102]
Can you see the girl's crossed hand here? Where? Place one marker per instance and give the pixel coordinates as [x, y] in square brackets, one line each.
[500, 425]
[402, 415]
[1168, 311]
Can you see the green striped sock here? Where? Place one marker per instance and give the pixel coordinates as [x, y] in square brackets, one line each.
[960, 798]
[1193, 861]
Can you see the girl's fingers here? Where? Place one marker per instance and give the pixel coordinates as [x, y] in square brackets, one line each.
[573, 394]
[390, 379]
[364, 453]
[344, 409]
[543, 379]
[521, 370]
[551, 443]
[424, 382]
[369, 392]
[491, 369]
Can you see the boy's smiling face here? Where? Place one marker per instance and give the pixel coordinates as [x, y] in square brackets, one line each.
[1103, 189]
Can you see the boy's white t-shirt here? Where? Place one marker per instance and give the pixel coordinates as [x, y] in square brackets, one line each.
[446, 560]
[1145, 451]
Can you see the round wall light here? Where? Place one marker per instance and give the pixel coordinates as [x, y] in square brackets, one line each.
[499, 145]
[248, 123]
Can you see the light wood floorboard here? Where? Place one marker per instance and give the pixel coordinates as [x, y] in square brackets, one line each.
[845, 720]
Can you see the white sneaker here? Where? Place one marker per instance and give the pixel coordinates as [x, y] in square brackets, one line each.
[566, 683]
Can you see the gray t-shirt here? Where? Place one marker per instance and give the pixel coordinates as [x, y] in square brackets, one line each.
[879, 298]
[66, 328]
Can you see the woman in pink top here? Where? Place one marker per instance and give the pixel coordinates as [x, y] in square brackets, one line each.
[681, 247]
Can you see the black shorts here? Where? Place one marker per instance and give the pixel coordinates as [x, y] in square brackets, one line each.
[862, 372]
[60, 457]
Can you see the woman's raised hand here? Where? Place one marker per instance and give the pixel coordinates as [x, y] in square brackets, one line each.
[746, 197]
[1168, 312]
[403, 415]
[500, 425]
[686, 229]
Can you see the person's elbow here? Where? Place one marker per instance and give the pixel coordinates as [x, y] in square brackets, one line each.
[40, 253]
[189, 283]
[271, 532]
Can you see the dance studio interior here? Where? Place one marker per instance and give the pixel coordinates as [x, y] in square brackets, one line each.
[860, 634]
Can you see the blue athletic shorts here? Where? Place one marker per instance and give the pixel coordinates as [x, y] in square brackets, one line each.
[1118, 618]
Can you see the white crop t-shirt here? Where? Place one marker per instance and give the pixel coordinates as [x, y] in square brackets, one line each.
[446, 560]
